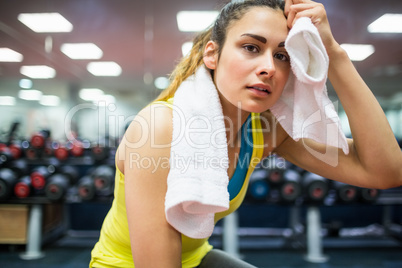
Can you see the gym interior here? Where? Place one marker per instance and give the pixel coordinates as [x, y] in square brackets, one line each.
[60, 128]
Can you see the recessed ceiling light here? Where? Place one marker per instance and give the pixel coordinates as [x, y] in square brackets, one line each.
[90, 94]
[358, 52]
[195, 21]
[387, 23]
[25, 83]
[45, 22]
[161, 82]
[81, 51]
[30, 94]
[49, 100]
[9, 55]
[7, 100]
[104, 68]
[38, 71]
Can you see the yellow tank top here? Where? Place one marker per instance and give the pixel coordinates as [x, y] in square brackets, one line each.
[113, 248]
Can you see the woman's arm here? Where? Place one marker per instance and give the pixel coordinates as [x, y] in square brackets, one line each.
[154, 242]
[375, 159]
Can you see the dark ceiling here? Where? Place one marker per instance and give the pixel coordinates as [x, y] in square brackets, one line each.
[118, 28]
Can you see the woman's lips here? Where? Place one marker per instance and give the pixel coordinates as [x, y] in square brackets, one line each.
[260, 90]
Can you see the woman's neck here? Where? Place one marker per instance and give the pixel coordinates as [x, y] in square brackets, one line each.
[234, 119]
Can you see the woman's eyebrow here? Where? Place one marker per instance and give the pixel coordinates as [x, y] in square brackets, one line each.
[262, 39]
[257, 37]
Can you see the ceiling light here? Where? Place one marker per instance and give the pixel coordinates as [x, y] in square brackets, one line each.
[161, 82]
[81, 51]
[90, 94]
[50, 100]
[358, 52]
[387, 23]
[38, 71]
[30, 94]
[195, 21]
[186, 47]
[7, 100]
[9, 55]
[105, 68]
[25, 83]
[45, 22]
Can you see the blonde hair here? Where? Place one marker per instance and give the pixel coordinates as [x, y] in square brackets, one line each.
[188, 65]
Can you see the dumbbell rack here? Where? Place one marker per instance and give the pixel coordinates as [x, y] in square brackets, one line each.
[36, 204]
[314, 236]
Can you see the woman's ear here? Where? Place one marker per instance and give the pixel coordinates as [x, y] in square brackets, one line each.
[210, 55]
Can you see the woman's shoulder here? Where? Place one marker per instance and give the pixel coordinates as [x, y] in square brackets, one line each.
[153, 119]
[149, 134]
[151, 128]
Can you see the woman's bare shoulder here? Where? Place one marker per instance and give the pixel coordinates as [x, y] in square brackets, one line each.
[149, 133]
[155, 120]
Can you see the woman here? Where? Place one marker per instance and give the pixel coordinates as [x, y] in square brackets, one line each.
[249, 66]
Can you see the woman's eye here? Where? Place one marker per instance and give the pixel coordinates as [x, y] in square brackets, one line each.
[251, 48]
[282, 57]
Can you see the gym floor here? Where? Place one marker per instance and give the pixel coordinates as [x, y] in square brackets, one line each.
[73, 251]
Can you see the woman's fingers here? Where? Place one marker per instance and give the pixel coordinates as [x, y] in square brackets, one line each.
[315, 11]
[289, 3]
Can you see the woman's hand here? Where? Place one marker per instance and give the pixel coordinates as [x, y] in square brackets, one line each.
[295, 9]
[375, 159]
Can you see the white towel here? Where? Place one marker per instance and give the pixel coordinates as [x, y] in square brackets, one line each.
[197, 180]
[304, 109]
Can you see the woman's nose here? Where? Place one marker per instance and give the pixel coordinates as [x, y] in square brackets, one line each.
[266, 66]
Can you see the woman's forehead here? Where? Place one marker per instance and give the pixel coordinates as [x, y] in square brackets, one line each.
[261, 20]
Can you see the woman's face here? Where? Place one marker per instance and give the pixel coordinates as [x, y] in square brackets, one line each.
[253, 67]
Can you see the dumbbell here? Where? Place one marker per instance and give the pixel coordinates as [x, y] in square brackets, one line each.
[8, 179]
[78, 148]
[276, 166]
[368, 195]
[345, 193]
[258, 188]
[103, 177]
[39, 176]
[100, 152]
[16, 150]
[30, 152]
[57, 186]
[315, 187]
[6, 157]
[38, 139]
[60, 151]
[58, 183]
[10, 152]
[86, 188]
[23, 188]
[291, 188]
